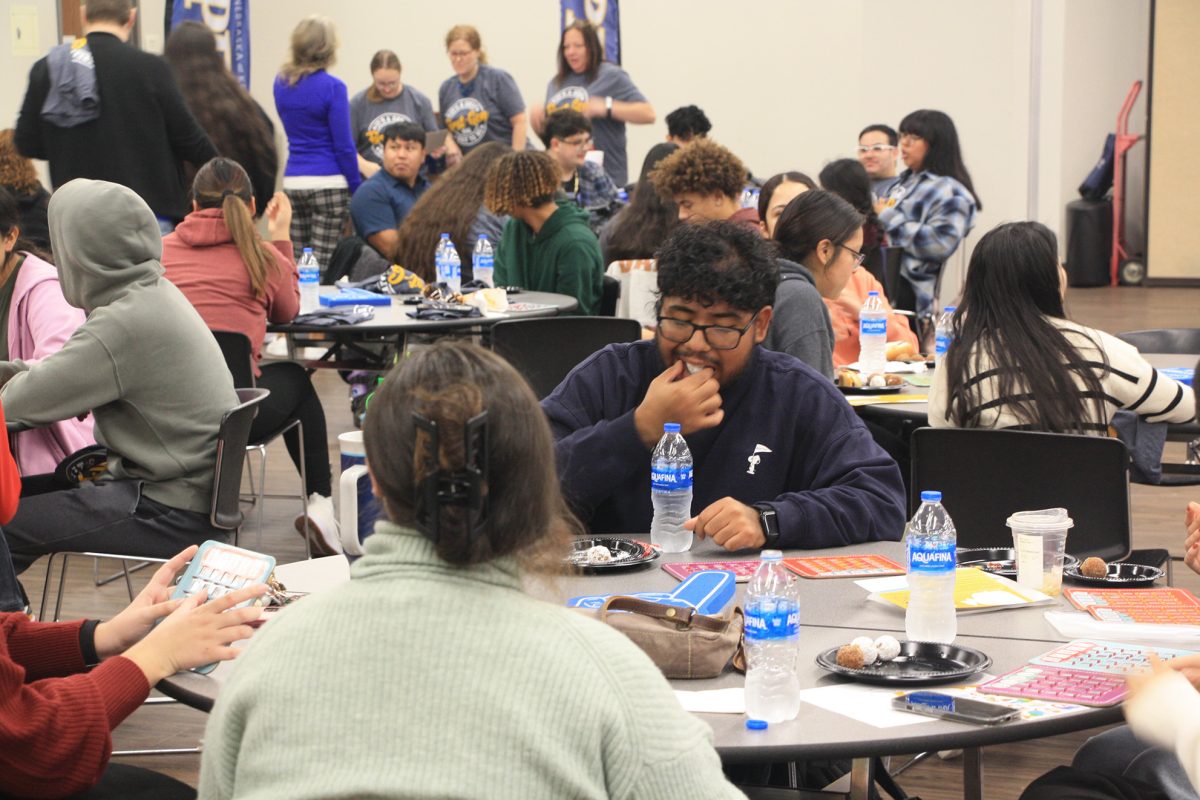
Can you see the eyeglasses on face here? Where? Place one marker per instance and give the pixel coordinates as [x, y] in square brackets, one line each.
[585, 142]
[859, 258]
[719, 337]
[874, 148]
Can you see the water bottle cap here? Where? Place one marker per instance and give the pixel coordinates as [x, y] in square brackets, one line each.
[756, 724]
[483, 237]
[771, 555]
[670, 427]
[931, 497]
[445, 236]
[872, 294]
[950, 309]
[306, 250]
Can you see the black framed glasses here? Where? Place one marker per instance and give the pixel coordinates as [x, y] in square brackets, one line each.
[719, 337]
[859, 258]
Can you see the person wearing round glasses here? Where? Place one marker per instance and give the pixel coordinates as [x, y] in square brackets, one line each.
[878, 152]
[568, 137]
[781, 460]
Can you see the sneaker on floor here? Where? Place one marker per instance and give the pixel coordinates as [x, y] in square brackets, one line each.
[322, 521]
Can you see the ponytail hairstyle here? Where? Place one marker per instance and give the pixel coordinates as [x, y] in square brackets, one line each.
[450, 383]
[223, 184]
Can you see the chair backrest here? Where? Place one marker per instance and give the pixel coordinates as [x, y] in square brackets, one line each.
[639, 281]
[1183, 341]
[238, 356]
[986, 475]
[232, 437]
[610, 295]
[545, 350]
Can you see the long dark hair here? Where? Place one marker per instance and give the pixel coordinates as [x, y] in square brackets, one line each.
[449, 206]
[223, 184]
[848, 179]
[638, 229]
[591, 41]
[1012, 294]
[223, 108]
[944, 157]
[811, 218]
[449, 383]
[10, 217]
[768, 189]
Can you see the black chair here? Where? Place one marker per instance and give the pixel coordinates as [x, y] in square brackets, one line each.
[1181, 341]
[544, 350]
[986, 475]
[610, 295]
[240, 360]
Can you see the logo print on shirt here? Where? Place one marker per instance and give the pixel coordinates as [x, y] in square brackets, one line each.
[755, 459]
[374, 132]
[572, 97]
[467, 120]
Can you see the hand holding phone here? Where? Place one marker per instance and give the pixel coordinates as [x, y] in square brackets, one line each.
[959, 709]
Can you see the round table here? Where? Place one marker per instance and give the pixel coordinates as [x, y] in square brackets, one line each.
[832, 611]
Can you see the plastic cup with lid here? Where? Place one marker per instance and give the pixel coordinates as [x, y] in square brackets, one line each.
[1040, 542]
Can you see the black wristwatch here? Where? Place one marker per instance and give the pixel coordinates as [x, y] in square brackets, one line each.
[770, 525]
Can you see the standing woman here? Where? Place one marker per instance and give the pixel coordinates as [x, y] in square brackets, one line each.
[322, 166]
[385, 102]
[932, 208]
[599, 90]
[480, 103]
[237, 125]
[237, 282]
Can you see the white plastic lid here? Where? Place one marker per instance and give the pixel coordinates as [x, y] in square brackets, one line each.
[771, 555]
[1047, 519]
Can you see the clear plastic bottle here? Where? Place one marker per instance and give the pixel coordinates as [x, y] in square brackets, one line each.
[671, 491]
[453, 266]
[931, 565]
[772, 642]
[482, 260]
[749, 197]
[310, 281]
[943, 334]
[872, 336]
[440, 265]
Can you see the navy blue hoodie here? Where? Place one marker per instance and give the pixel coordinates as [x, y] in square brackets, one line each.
[817, 466]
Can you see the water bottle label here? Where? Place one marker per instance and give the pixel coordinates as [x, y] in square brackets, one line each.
[931, 559]
[763, 625]
[941, 344]
[670, 480]
[868, 326]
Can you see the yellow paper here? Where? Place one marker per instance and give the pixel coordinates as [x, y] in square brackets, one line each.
[976, 590]
[876, 399]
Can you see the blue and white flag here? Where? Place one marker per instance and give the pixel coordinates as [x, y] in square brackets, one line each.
[229, 20]
[601, 13]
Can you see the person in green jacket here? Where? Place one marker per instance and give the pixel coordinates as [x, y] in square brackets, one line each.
[547, 246]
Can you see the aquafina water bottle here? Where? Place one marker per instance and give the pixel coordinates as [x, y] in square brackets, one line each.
[482, 260]
[310, 281]
[931, 565]
[671, 491]
[772, 642]
[943, 334]
[872, 336]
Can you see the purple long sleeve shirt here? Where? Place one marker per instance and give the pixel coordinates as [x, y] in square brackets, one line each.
[315, 112]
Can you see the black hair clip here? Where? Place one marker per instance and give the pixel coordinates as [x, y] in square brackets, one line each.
[462, 487]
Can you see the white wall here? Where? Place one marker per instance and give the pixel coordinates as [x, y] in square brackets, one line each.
[788, 83]
[15, 67]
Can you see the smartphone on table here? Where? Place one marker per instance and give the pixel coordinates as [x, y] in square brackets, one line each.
[959, 709]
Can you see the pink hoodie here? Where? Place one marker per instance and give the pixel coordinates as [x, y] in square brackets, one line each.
[40, 321]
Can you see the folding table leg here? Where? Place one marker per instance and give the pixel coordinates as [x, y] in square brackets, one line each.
[972, 773]
[862, 778]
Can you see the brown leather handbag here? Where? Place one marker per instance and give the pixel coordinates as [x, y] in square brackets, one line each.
[681, 642]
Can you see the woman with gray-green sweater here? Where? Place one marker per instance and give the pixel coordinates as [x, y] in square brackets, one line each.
[432, 673]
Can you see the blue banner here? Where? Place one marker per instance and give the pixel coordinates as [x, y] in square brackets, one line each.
[601, 13]
[229, 20]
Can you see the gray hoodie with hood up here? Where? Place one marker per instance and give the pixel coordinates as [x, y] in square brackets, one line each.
[143, 362]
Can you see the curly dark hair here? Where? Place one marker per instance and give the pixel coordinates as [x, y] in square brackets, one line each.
[526, 178]
[687, 123]
[717, 262]
[703, 167]
[17, 172]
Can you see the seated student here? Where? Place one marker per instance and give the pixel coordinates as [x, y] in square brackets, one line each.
[1016, 361]
[18, 176]
[800, 323]
[687, 123]
[64, 686]
[705, 180]
[566, 706]
[146, 367]
[640, 227]
[568, 137]
[238, 282]
[35, 321]
[776, 193]
[383, 201]
[819, 480]
[547, 246]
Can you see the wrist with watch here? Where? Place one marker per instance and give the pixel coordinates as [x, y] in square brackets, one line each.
[769, 521]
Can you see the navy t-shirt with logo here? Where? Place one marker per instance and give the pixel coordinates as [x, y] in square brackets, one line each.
[480, 111]
[608, 134]
[368, 119]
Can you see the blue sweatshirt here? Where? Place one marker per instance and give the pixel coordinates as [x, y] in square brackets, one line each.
[315, 112]
[817, 466]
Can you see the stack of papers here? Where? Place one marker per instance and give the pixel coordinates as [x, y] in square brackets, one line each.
[974, 591]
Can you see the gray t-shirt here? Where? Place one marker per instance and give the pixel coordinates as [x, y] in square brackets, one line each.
[608, 134]
[882, 187]
[480, 111]
[368, 119]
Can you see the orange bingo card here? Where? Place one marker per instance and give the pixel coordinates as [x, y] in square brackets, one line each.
[1166, 606]
[849, 566]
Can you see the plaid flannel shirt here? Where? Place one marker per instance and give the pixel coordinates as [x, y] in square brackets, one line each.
[596, 189]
